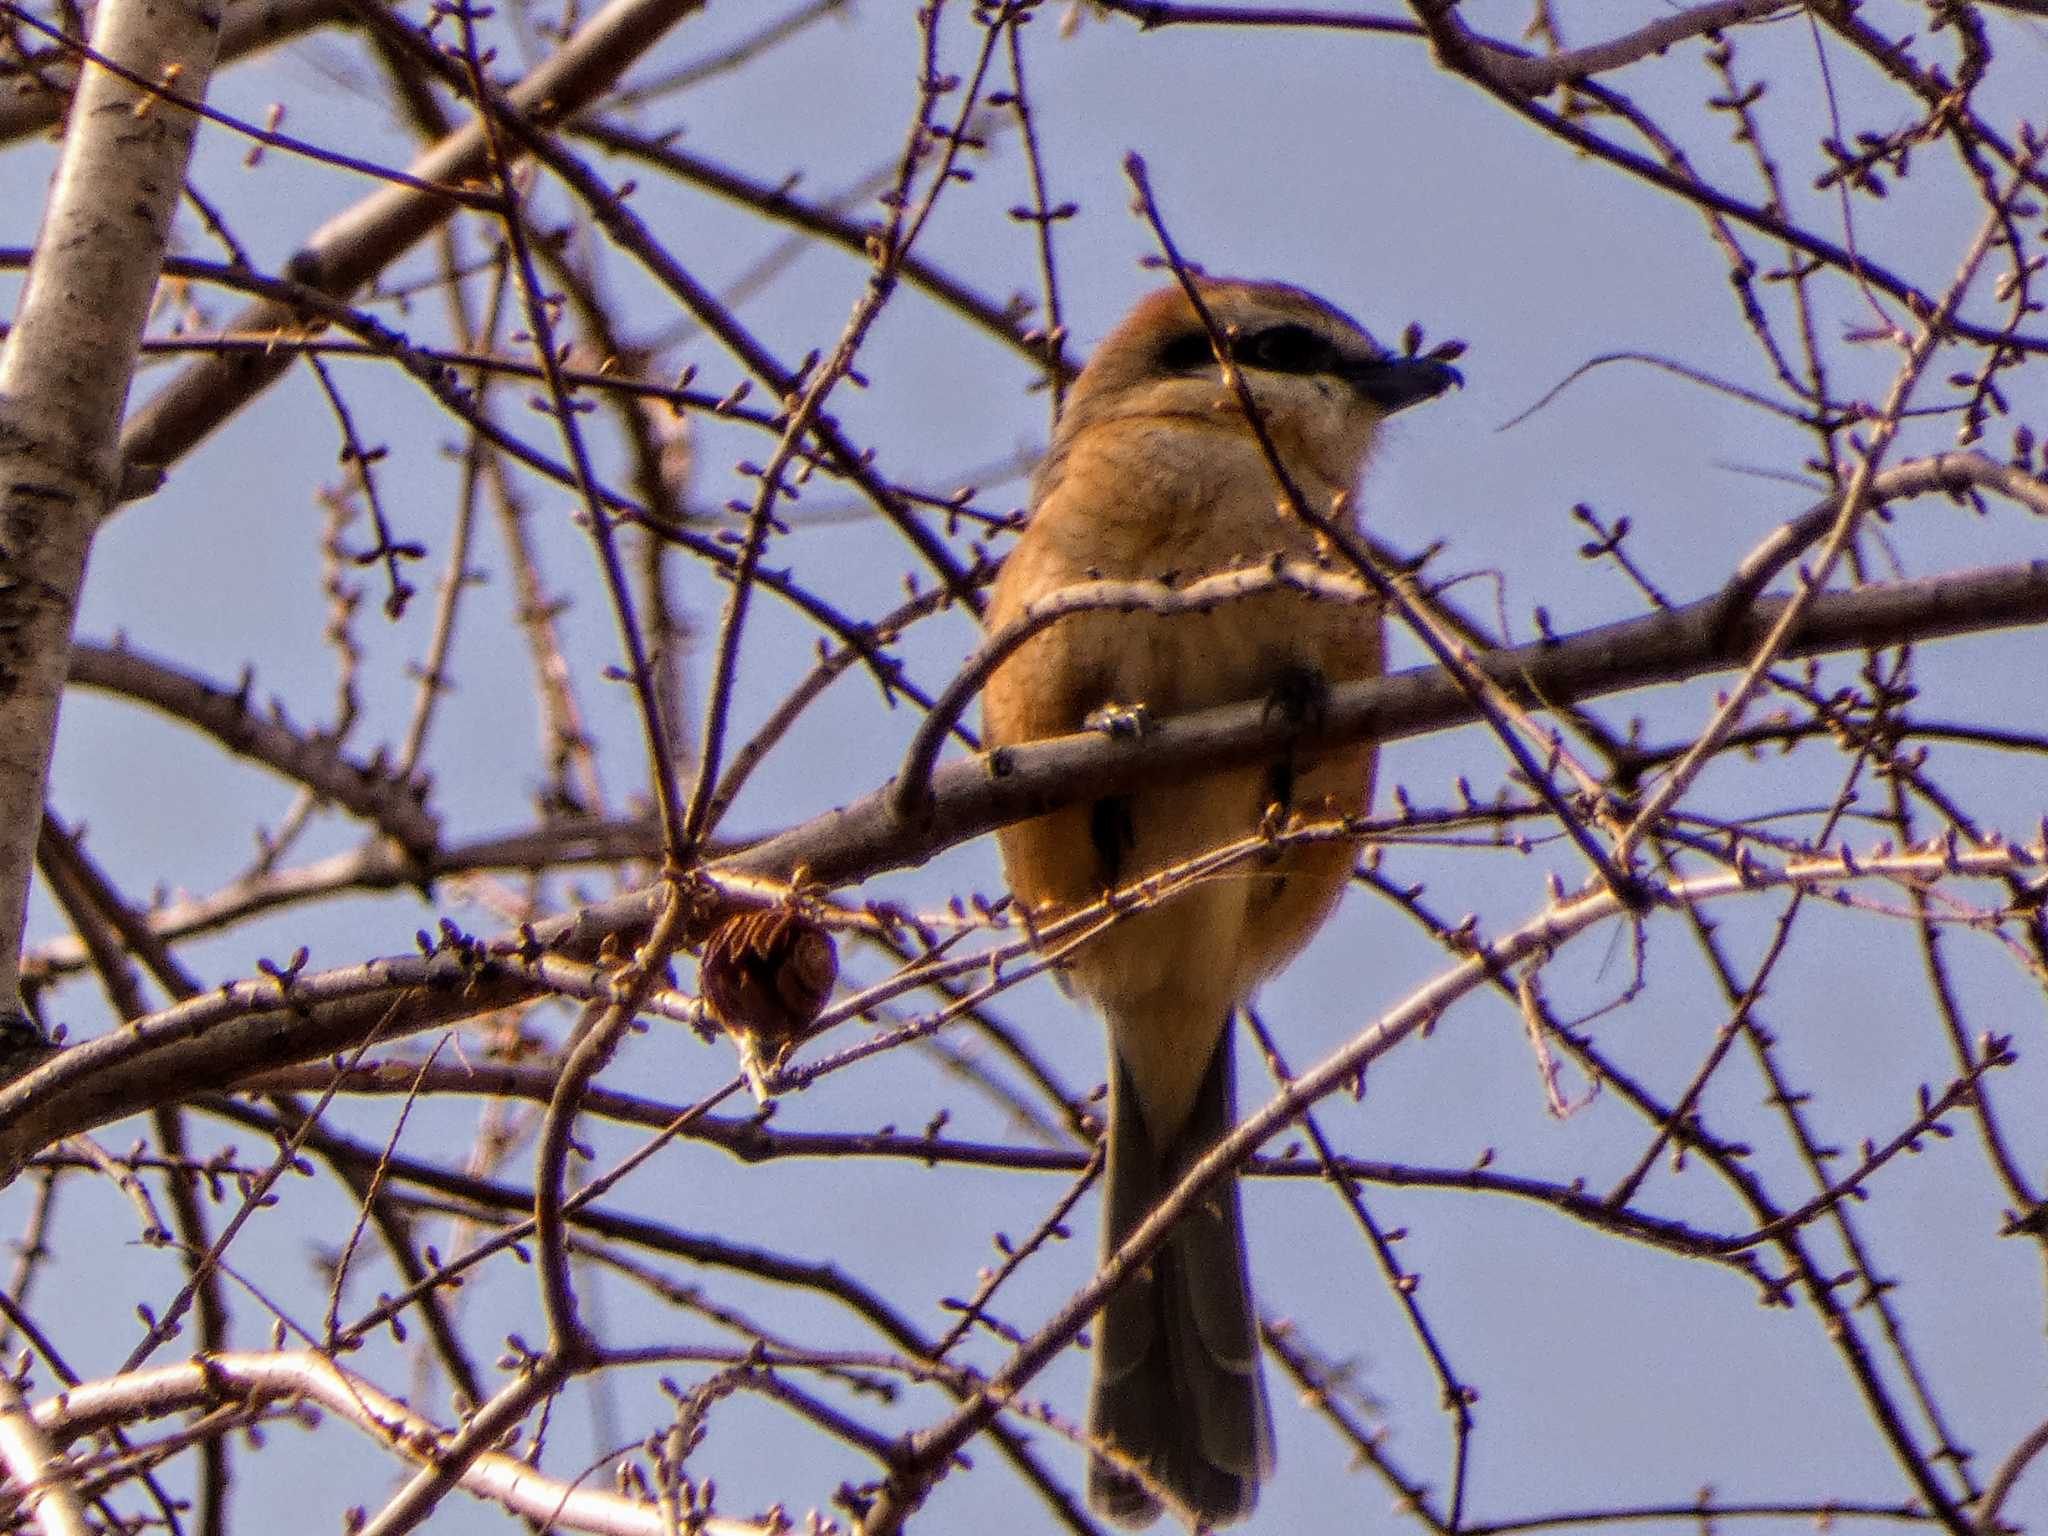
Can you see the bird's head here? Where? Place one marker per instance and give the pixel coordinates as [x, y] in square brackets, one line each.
[1319, 381]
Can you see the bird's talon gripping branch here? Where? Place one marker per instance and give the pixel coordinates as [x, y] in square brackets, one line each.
[1300, 695]
[1120, 722]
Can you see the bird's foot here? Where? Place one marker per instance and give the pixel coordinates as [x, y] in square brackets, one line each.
[1300, 695]
[1121, 722]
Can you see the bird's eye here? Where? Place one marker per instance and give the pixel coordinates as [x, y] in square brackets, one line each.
[1288, 349]
[1186, 352]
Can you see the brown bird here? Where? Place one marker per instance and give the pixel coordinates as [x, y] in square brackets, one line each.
[1154, 473]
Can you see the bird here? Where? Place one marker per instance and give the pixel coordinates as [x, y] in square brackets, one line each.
[1155, 472]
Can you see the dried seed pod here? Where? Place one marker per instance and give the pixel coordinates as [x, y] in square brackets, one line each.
[766, 975]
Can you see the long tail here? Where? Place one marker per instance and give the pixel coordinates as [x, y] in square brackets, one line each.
[1177, 1382]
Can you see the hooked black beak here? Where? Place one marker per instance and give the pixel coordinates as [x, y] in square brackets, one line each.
[1395, 383]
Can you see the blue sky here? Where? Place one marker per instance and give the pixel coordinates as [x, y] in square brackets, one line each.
[1608, 1374]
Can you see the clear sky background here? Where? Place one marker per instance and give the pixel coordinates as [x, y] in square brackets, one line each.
[1608, 1374]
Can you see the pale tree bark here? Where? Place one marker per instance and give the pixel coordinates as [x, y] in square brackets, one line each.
[63, 384]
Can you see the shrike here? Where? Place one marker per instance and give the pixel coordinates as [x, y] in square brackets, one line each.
[1154, 473]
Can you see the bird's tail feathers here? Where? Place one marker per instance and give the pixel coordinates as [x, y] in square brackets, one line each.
[1177, 1386]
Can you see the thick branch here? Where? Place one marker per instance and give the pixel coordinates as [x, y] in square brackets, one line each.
[258, 1379]
[49, 1495]
[355, 246]
[254, 1026]
[250, 27]
[64, 379]
[1666, 647]
[368, 790]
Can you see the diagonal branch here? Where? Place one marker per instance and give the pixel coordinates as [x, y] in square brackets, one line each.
[288, 1018]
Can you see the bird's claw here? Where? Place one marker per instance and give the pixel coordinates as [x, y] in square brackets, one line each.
[1120, 722]
[1300, 695]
